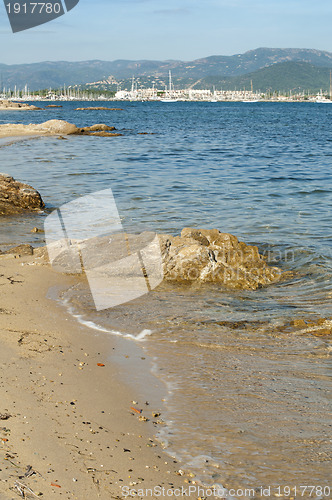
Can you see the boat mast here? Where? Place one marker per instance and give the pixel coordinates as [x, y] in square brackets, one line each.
[330, 84]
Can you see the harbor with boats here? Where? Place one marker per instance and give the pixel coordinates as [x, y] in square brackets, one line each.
[168, 95]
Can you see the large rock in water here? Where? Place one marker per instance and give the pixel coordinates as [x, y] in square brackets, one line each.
[54, 127]
[202, 255]
[16, 197]
[197, 256]
[51, 127]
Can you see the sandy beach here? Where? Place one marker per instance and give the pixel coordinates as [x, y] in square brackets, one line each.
[70, 427]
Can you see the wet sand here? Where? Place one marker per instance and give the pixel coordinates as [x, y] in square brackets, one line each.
[69, 424]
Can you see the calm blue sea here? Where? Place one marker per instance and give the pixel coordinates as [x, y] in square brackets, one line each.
[249, 398]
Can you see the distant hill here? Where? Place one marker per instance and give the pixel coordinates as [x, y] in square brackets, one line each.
[282, 77]
[256, 64]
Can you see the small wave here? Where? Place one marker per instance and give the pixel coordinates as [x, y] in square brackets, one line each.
[289, 178]
[140, 337]
[314, 191]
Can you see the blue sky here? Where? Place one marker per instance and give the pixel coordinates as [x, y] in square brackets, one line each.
[176, 29]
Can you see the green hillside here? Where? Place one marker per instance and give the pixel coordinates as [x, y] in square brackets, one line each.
[282, 77]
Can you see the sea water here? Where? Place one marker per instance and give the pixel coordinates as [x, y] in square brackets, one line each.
[249, 401]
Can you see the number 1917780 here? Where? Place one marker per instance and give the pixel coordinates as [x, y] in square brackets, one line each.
[34, 8]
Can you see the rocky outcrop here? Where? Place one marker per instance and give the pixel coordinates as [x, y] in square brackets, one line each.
[16, 197]
[197, 256]
[51, 127]
[99, 129]
[19, 250]
[54, 127]
[202, 255]
[10, 105]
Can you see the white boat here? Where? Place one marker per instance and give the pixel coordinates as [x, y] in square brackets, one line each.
[322, 99]
[169, 98]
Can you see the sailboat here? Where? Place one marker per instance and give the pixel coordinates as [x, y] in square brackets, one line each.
[170, 98]
[213, 99]
[252, 93]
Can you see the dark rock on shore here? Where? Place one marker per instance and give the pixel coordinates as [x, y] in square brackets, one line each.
[20, 250]
[201, 255]
[16, 197]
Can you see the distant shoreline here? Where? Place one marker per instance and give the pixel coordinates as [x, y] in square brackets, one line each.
[41, 100]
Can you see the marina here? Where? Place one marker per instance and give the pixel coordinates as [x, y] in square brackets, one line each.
[168, 94]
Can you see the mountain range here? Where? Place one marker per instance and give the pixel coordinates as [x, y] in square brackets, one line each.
[268, 68]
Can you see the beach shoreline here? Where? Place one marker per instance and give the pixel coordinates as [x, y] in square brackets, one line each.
[71, 417]
[246, 370]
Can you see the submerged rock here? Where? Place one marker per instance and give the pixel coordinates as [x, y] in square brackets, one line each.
[16, 197]
[319, 327]
[202, 255]
[100, 129]
[98, 108]
[106, 134]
